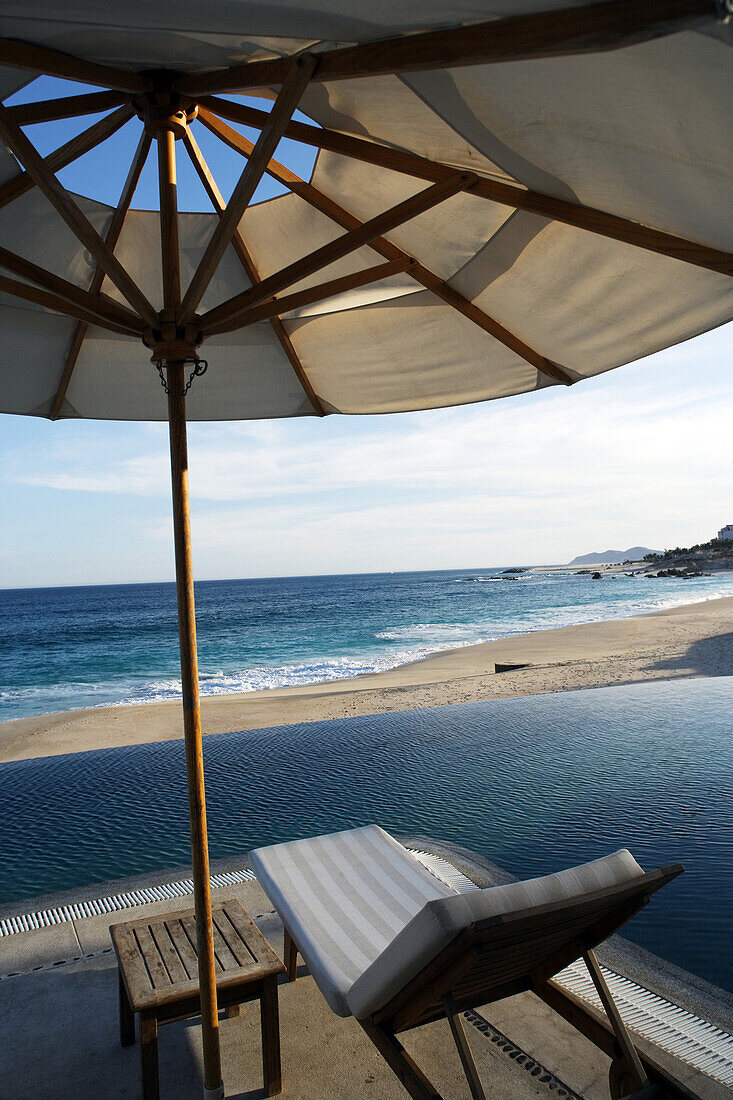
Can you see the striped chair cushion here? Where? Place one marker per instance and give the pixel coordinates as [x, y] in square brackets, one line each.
[440, 921]
[344, 898]
[367, 916]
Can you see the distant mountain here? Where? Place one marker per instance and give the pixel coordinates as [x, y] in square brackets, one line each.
[613, 557]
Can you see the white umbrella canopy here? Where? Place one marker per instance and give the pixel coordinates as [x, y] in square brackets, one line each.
[529, 274]
[506, 196]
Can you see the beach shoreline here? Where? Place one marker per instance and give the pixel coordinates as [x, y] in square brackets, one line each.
[689, 640]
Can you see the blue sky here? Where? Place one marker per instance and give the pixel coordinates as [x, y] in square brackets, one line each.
[640, 455]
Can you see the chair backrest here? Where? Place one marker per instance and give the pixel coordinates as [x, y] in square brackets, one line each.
[485, 945]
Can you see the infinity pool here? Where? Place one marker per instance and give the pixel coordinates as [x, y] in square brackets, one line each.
[535, 784]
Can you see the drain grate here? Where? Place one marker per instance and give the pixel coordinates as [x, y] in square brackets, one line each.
[445, 871]
[526, 1061]
[114, 903]
[674, 1029]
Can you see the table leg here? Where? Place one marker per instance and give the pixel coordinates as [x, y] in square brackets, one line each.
[127, 1016]
[270, 1019]
[149, 1054]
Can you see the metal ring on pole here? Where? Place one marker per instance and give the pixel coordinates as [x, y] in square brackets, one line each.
[217, 1093]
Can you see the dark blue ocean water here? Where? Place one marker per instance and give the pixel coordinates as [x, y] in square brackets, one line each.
[62, 648]
[535, 783]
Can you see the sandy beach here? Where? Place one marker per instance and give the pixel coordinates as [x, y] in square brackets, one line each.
[693, 640]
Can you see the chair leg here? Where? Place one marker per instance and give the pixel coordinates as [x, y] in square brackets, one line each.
[464, 1050]
[290, 951]
[630, 1057]
[400, 1062]
[621, 1087]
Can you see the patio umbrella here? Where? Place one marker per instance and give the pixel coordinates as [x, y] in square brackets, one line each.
[505, 197]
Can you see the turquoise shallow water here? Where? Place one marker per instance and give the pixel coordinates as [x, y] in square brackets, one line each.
[62, 648]
[535, 783]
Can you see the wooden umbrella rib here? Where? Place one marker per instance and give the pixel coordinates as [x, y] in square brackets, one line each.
[588, 218]
[51, 110]
[294, 85]
[68, 152]
[57, 304]
[336, 250]
[610, 226]
[294, 359]
[40, 59]
[104, 308]
[474, 313]
[390, 251]
[243, 254]
[72, 357]
[65, 205]
[112, 236]
[321, 292]
[603, 26]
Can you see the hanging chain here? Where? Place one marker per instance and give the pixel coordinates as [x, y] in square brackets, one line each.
[199, 367]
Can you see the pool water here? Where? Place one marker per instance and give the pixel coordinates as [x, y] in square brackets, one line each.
[535, 783]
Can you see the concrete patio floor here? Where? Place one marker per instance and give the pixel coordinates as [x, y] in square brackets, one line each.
[60, 1038]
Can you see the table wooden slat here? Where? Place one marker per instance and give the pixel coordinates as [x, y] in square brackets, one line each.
[132, 967]
[252, 937]
[226, 959]
[159, 976]
[168, 953]
[236, 944]
[183, 946]
[189, 927]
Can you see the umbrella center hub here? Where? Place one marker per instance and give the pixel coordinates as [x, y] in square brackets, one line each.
[165, 109]
[171, 343]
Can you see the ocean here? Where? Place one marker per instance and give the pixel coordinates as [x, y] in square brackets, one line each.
[63, 648]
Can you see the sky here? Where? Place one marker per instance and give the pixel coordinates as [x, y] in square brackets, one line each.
[639, 456]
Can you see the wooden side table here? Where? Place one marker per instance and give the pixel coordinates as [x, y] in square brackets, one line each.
[158, 977]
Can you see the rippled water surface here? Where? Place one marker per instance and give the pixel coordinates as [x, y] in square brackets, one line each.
[62, 648]
[535, 783]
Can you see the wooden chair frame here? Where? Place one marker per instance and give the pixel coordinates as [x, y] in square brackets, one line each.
[515, 953]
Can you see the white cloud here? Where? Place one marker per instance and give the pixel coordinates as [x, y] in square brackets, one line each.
[579, 435]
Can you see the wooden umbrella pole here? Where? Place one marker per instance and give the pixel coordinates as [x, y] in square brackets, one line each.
[213, 1086]
[192, 730]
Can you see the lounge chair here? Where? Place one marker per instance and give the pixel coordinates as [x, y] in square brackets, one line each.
[391, 944]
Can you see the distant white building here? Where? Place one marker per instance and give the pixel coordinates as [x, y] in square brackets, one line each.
[726, 532]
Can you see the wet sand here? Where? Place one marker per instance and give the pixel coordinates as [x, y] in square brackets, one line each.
[694, 640]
